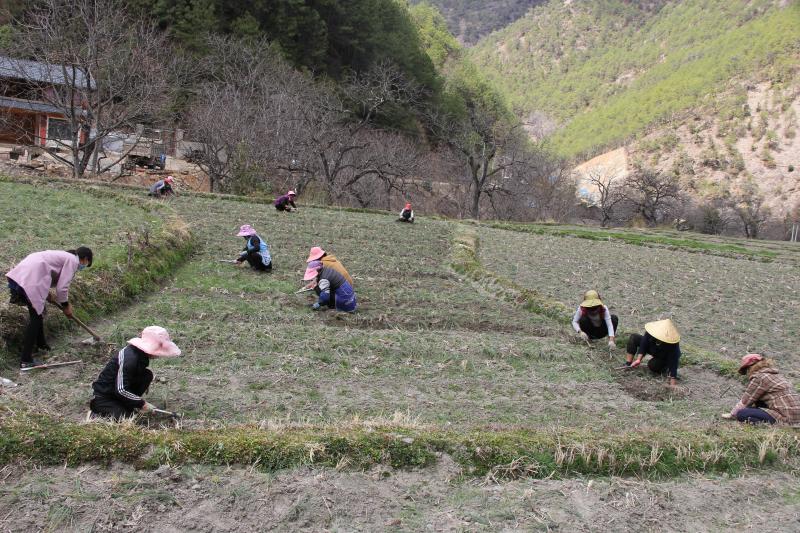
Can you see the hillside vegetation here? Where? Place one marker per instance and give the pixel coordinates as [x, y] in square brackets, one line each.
[594, 74]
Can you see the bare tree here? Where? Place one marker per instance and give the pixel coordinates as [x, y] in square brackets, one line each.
[610, 195]
[748, 204]
[96, 65]
[652, 193]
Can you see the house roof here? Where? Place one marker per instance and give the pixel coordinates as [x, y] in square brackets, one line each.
[28, 105]
[35, 71]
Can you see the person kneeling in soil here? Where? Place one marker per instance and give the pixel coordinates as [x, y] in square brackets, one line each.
[286, 202]
[256, 251]
[592, 320]
[407, 214]
[769, 397]
[332, 287]
[662, 341]
[329, 260]
[162, 188]
[29, 283]
[119, 388]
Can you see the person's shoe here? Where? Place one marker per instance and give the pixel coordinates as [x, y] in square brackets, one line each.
[31, 364]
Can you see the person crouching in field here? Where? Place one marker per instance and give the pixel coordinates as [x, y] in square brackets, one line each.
[662, 341]
[329, 260]
[331, 286]
[769, 397]
[29, 283]
[592, 320]
[162, 188]
[286, 202]
[407, 214]
[119, 388]
[256, 251]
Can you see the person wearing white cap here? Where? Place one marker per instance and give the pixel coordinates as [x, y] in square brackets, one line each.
[662, 341]
[163, 187]
[119, 388]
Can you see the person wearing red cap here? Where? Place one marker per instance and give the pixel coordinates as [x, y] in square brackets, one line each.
[769, 397]
[286, 202]
[407, 214]
[163, 187]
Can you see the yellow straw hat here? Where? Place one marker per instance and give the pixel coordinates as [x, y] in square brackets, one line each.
[663, 330]
[591, 299]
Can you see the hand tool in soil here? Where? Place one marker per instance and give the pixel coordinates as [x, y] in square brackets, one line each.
[165, 413]
[726, 416]
[95, 337]
[229, 261]
[50, 365]
[304, 289]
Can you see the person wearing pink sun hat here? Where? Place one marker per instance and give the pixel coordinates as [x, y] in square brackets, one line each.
[331, 287]
[329, 260]
[162, 188]
[769, 397]
[119, 388]
[286, 203]
[255, 251]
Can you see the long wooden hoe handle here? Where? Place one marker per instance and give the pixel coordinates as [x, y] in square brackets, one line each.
[81, 324]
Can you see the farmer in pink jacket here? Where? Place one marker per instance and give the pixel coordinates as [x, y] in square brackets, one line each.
[30, 283]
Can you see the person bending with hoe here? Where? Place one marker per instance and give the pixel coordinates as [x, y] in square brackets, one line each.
[769, 397]
[119, 388]
[329, 260]
[286, 202]
[407, 214]
[162, 188]
[662, 341]
[29, 283]
[256, 251]
[592, 320]
[332, 287]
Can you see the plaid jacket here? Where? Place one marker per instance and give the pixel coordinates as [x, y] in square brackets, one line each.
[774, 394]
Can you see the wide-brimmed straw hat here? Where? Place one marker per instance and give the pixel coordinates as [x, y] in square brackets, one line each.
[663, 330]
[311, 270]
[315, 254]
[748, 361]
[246, 231]
[155, 342]
[591, 299]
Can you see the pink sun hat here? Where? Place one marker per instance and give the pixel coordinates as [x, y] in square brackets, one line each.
[155, 342]
[291, 193]
[748, 361]
[315, 254]
[311, 270]
[246, 231]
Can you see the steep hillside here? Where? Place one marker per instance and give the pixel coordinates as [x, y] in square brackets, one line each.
[469, 20]
[595, 74]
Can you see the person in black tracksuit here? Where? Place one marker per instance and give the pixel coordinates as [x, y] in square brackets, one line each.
[119, 388]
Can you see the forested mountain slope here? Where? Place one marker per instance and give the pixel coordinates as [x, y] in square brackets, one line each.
[469, 20]
[595, 74]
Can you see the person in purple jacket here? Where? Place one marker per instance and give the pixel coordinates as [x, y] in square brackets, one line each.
[30, 283]
[286, 202]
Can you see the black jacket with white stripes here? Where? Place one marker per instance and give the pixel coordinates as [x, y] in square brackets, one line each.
[122, 375]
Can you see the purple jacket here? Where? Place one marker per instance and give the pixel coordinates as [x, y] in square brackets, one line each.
[283, 200]
[40, 271]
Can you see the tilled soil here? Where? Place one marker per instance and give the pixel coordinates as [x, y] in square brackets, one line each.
[121, 499]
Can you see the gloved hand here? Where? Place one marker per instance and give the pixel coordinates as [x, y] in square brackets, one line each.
[584, 336]
[315, 307]
[147, 407]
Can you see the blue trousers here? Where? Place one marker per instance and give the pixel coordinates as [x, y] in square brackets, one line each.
[754, 415]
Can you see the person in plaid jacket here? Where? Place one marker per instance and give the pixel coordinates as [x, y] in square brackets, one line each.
[769, 397]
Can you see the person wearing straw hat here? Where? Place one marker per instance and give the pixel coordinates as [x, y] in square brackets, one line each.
[769, 397]
[119, 388]
[286, 202]
[256, 251]
[29, 284]
[407, 214]
[592, 320]
[332, 288]
[661, 340]
[163, 187]
[329, 260]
